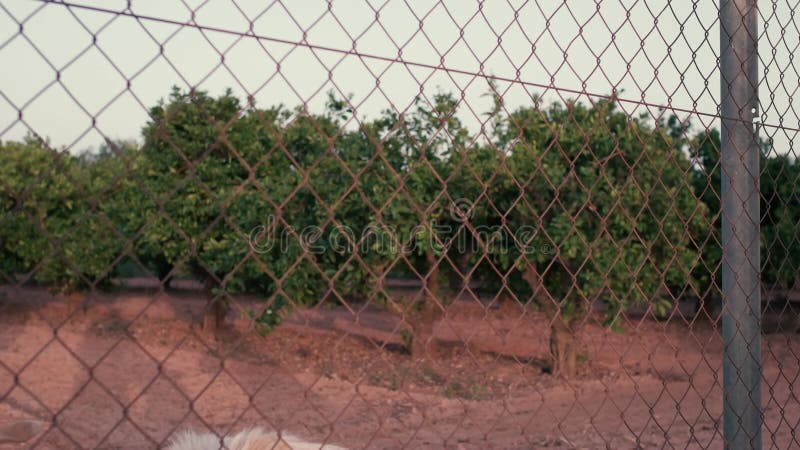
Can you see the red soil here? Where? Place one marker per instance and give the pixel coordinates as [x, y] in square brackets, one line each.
[133, 368]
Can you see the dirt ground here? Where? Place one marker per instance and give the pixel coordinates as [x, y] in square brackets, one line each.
[133, 368]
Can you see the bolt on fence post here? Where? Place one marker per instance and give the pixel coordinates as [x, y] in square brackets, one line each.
[741, 290]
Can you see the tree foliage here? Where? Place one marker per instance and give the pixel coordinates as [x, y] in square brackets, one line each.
[563, 206]
[599, 207]
[54, 230]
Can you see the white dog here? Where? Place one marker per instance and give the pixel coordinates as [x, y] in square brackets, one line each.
[250, 439]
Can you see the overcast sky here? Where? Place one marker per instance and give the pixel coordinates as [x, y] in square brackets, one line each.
[59, 79]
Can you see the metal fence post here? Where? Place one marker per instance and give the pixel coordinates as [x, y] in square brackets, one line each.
[741, 321]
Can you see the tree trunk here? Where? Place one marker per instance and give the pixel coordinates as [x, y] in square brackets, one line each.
[379, 293]
[214, 315]
[563, 348]
[426, 313]
[432, 282]
[77, 300]
[163, 268]
[563, 351]
[457, 279]
[422, 341]
[707, 307]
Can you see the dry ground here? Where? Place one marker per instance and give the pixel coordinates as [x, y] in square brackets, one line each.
[133, 368]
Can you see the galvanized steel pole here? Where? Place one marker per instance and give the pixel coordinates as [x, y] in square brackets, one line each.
[741, 293]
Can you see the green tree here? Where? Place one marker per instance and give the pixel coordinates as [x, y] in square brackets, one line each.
[416, 224]
[313, 194]
[780, 214]
[54, 228]
[707, 181]
[202, 168]
[606, 202]
[132, 206]
[352, 182]
[779, 175]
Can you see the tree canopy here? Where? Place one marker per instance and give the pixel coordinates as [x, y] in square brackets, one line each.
[563, 206]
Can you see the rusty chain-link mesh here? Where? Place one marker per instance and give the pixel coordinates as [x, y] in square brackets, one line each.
[398, 224]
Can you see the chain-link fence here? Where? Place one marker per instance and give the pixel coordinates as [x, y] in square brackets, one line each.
[399, 224]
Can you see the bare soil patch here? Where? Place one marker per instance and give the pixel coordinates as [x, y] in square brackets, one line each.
[133, 367]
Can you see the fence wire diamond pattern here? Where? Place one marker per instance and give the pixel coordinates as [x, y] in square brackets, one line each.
[398, 224]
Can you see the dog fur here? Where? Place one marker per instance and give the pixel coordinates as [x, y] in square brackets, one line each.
[249, 439]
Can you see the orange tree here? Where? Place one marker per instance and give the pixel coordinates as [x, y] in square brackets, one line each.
[599, 213]
[413, 224]
[203, 170]
[130, 206]
[238, 191]
[779, 175]
[53, 229]
[306, 183]
[780, 214]
[353, 181]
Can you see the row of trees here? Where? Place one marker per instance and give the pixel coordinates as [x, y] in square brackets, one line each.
[563, 206]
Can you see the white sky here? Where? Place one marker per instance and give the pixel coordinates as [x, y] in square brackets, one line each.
[59, 39]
